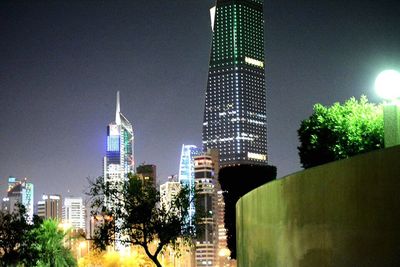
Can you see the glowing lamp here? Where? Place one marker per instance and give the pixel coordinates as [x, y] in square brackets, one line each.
[387, 84]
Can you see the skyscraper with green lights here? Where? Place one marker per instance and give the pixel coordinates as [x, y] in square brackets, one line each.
[235, 120]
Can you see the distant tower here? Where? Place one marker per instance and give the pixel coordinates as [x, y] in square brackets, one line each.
[73, 212]
[147, 173]
[235, 116]
[119, 159]
[50, 207]
[186, 171]
[168, 192]
[19, 191]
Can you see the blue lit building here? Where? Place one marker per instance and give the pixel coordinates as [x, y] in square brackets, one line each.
[186, 170]
[119, 159]
[19, 191]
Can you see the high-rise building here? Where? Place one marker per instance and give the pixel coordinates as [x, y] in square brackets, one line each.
[235, 120]
[147, 173]
[19, 191]
[168, 191]
[186, 172]
[206, 245]
[50, 207]
[73, 213]
[119, 159]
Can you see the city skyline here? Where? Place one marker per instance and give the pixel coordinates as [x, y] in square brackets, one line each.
[62, 62]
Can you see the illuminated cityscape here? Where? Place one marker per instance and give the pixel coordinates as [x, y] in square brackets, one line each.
[203, 100]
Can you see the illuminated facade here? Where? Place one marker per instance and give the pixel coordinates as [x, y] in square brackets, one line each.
[168, 191]
[19, 191]
[186, 171]
[235, 120]
[119, 159]
[73, 212]
[206, 245]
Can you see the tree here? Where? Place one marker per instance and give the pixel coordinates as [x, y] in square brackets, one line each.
[236, 181]
[340, 131]
[132, 215]
[49, 246]
[13, 232]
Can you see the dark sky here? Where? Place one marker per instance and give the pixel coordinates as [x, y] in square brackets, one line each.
[61, 64]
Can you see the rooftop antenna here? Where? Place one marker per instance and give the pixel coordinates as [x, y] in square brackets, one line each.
[117, 111]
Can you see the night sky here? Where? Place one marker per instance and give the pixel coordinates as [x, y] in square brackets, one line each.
[61, 64]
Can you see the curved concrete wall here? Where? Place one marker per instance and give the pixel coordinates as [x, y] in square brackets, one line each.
[345, 213]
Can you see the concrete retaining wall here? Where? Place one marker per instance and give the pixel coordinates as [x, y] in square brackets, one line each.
[345, 213]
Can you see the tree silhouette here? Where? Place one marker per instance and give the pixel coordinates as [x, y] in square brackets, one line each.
[131, 214]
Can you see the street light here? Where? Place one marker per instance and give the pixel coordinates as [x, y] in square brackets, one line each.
[387, 86]
[82, 245]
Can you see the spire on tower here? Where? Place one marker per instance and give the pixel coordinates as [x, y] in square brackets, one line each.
[117, 111]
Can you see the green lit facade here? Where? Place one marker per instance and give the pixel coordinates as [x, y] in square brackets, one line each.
[235, 120]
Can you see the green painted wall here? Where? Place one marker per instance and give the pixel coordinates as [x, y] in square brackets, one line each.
[345, 213]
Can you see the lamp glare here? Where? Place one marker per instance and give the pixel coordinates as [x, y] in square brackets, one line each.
[387, 84]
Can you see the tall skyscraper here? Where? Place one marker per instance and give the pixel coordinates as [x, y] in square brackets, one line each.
[235, 120]
[73, 212]
[119, 159]
[19, 191]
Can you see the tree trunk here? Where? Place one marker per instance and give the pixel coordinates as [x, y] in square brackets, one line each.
[156, 262]
[152, 257]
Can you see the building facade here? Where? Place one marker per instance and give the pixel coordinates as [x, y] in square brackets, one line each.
[19, 191]
[50, 207]
[74, 213]
[147, 173]
[186, 172]
[235, 120]
[119, 159]
[168, 191]
[205, 205]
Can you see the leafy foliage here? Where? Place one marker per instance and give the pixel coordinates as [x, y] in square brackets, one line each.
[37, 244]
[232, 183]
[49, 246]
[13, 232]
[340, 131]
[131, 214]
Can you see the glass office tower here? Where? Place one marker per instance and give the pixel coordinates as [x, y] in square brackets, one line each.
[235, 120]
